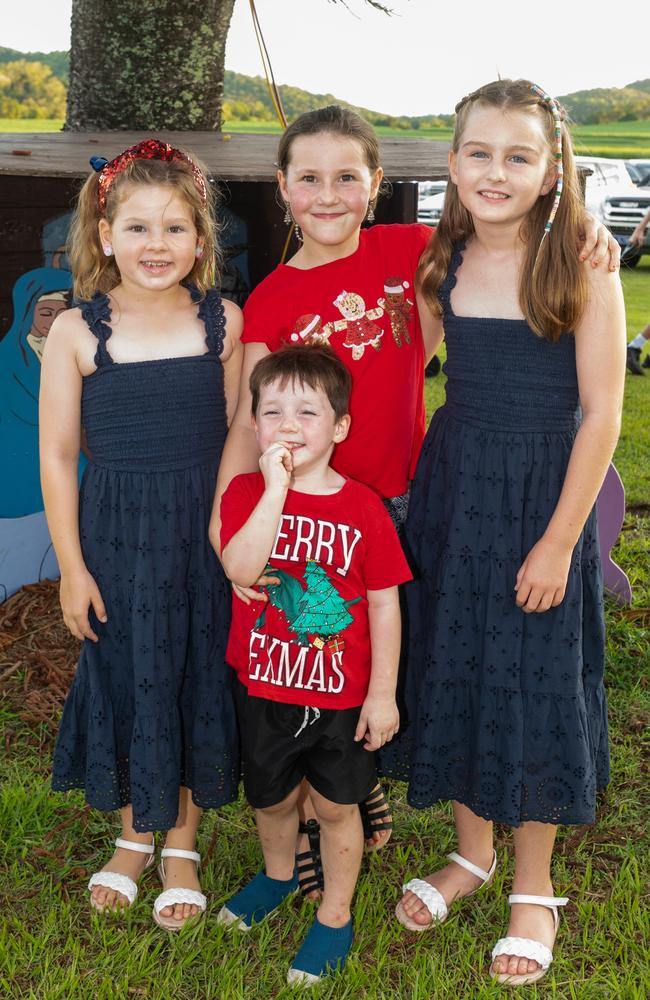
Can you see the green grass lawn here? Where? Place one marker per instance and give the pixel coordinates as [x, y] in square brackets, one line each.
[53, 948]
[616, 139]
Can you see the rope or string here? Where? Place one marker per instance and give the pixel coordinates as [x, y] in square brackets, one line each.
[275, 97]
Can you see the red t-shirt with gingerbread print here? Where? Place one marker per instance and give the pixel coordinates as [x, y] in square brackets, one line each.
[309, 644]
[364, 307]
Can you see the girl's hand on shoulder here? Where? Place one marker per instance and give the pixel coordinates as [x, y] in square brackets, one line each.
[542, 578]
[378, 722]
[78, 592]
[598, 244]
[276, 465]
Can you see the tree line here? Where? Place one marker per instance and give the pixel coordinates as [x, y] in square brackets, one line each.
[34, 85]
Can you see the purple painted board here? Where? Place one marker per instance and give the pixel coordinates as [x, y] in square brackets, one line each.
[611, 511]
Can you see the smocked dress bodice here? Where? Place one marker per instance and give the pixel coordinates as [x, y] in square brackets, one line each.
[502, 375]
[154, 415]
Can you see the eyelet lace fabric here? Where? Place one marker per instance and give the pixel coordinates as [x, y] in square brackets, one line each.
[150, 707]
[506, 711]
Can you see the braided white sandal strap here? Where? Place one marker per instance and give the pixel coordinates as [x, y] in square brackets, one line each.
[115, 881]
[428, 895]
[524, 948]
[176, 852]
[173, 896]
[474, 869]
[133, 845]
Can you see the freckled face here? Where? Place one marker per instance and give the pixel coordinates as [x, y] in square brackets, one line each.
[328, 185]
[502, 165]
[153, 237]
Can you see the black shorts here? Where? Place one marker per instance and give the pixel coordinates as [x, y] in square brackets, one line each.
[282, 744]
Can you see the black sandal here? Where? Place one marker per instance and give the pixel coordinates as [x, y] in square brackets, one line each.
[375, 816]
[308, 863]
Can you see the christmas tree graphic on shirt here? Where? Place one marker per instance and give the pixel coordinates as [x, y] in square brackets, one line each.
[317, 610]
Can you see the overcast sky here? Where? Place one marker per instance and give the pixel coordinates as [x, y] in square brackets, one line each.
[422, 60]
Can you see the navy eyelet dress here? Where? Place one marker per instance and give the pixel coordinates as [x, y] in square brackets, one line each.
[507, 710]
[150, 708]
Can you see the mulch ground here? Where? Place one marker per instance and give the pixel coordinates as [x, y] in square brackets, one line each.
[38, 655]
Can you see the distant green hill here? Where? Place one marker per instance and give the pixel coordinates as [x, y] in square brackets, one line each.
[247, 99]
[59, 62]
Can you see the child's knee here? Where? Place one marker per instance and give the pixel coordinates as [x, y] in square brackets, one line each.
[333, 812]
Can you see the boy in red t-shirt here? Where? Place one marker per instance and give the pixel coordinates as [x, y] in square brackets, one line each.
[317, 667]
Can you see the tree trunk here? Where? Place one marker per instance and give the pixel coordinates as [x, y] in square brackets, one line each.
[147, 64]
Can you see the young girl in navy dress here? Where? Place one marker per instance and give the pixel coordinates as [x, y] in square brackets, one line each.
[148, 366]
[507, 705]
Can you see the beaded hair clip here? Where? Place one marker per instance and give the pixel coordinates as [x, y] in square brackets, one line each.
[149, 149]
[554, 108]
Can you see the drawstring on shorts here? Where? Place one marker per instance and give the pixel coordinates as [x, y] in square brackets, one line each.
[306, 721]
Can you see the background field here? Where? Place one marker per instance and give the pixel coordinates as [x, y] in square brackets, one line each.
[53, 948]
[616, 139]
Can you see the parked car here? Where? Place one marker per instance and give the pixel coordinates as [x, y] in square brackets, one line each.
[616, 201]
[639, 170]
[430, 207]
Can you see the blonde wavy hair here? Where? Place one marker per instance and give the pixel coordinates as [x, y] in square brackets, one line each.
[94, 272]
[552, 286]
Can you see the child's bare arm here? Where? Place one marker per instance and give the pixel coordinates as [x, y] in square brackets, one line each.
[241, 452]
[232, 356]
[246, 554]
[431, 326]
[600, 358]
[379, 718]
[59, 429]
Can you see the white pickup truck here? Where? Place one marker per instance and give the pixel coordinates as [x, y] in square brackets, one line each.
[616, 201]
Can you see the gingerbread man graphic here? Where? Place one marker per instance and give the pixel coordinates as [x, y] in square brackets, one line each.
[398, 308]
[361, 332]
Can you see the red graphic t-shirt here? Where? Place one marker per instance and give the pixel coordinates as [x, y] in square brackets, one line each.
[310, 643]
[364, 307]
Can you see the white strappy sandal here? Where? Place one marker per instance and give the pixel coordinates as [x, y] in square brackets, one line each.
[170, 897]
[118, 882]
[534, 951]
[433, 899]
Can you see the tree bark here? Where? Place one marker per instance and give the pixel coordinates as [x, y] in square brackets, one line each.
[147, 64]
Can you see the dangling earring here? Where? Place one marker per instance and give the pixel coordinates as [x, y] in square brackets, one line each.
[108, 251]
[198, 252]
[288, 219]
[370, 216]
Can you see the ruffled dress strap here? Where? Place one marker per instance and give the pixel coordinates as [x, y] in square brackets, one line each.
[449, 281]
[97, 314]
[211, 312]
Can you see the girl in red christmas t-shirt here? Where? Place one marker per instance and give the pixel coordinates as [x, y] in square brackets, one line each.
[339, 288]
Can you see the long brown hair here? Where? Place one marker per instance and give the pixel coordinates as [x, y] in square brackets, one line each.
[92, 270]
[552, 287]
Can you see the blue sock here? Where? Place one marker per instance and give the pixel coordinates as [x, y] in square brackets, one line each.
[261, 897]
[324, 950]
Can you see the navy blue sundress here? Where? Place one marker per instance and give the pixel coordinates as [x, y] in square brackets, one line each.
[150, 707]
[507, 711]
